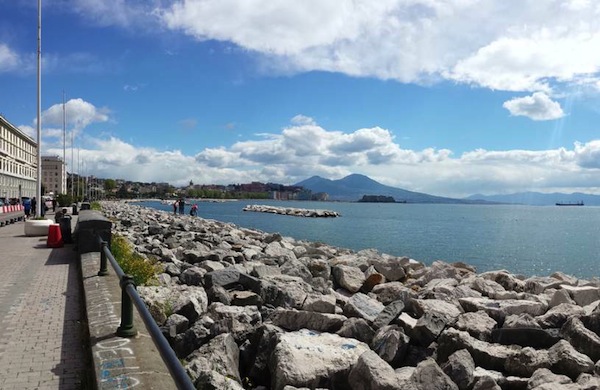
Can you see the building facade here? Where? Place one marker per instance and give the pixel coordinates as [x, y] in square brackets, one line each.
[18, 162]
[54, 178]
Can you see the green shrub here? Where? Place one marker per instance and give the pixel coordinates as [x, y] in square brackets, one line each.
[96, 206]
[143, 270]
[64, 200]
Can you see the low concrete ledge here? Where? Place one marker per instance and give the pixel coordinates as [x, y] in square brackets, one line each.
[118, 362]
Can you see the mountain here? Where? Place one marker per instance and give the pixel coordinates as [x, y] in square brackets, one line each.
[540, 199]
[355, 186]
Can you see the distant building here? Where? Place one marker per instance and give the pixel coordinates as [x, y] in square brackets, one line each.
[54, 176]
[18, 162]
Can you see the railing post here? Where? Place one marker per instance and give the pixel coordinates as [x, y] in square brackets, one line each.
[103, 266]
[126, 329]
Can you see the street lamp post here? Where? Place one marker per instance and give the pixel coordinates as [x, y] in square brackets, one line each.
[38, 206]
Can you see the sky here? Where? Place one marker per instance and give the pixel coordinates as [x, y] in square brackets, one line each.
[447, 97]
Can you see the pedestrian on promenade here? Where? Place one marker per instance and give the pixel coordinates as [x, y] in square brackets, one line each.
[181, 206]
[53, 204]
[175, 207]
[194, 210]
[33, 205]
[27, 207]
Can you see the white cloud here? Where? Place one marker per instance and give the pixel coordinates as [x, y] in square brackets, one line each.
[538, 107]
[79, 114]
[544, 45]
[9, 59]
[282, 158]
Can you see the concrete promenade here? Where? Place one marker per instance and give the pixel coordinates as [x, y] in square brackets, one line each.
[43, 331]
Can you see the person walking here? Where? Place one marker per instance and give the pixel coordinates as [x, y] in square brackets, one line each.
[194, 210]
[53, 204]
[27, 207]
[33, 205]
[175, 207]
[181, 206]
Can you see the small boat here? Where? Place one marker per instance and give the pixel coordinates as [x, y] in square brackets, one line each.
[580, 203]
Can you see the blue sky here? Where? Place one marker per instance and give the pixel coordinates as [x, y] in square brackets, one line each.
[449, 97]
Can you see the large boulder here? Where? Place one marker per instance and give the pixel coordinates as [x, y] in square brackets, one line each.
[362, 306]
[459, 368]
[357, 328]
[479, 324]
[291, 319]
[372, 373]
[239, 321]
[429, 376]
[350, 278]
[391, 344]
[215, 364]
[583, 339]
[311, 359]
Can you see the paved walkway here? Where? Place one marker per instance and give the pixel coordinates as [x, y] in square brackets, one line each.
[43, 342]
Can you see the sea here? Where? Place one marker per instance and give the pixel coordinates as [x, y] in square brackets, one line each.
[526, 240]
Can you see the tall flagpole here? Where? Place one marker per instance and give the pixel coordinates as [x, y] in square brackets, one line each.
[38, 206]
[64, 173]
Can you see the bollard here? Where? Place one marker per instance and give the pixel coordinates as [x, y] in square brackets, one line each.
[126, 329]
[103, 264]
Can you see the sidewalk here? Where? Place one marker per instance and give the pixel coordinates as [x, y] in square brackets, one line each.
[43, 334]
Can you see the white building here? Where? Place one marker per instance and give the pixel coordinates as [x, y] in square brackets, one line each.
[18, 162]
[54, 178]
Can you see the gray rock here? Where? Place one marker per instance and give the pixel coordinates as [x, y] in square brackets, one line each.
[544, 379]
[350, 278]
[245, 298]
[459, 368]
[583, 339]
[391, 268]
[290, 319]
[215, 364]
[361, 305]
[237, 320]
[325, 359]
[262, 270]
[486, 355]
[210, 265]
[319, 302]
[225, 277]
[566, 360]
[429, 326]
[190, 340]
[175, 324]
[525, 337]
[558, 315]
[263, 341]
[498, 310]
[443, 309]
[389, 292]
[524, 320]
[295, 267]
[357, 328]
[429, 376]
[583, 295]
[284, 290]
[372, 373]
[486, 383]
[391, 344]
[559, 297]
[389, 314]
[526, 361]
[218, 294]
[479, 324]
[192, 276]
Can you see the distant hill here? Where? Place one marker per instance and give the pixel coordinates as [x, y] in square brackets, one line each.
[540, 199]
[354, 187]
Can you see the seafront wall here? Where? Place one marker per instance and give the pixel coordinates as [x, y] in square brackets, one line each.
[245, 309]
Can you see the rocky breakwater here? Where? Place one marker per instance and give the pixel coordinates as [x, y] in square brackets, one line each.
[295, 212]
[247, 309]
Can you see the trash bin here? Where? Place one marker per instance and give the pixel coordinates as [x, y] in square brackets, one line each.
[74, 212]
[65, 229]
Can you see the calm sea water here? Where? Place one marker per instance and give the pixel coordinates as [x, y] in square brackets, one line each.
[529, 240]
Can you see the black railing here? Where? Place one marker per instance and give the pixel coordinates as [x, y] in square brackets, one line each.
[129, 298]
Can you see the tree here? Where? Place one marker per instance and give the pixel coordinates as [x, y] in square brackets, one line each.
[109, 185]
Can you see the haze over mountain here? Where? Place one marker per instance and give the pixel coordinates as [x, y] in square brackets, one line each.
[540, 199]
[353, 187]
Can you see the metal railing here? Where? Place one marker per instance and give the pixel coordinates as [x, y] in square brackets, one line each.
[129, 298]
